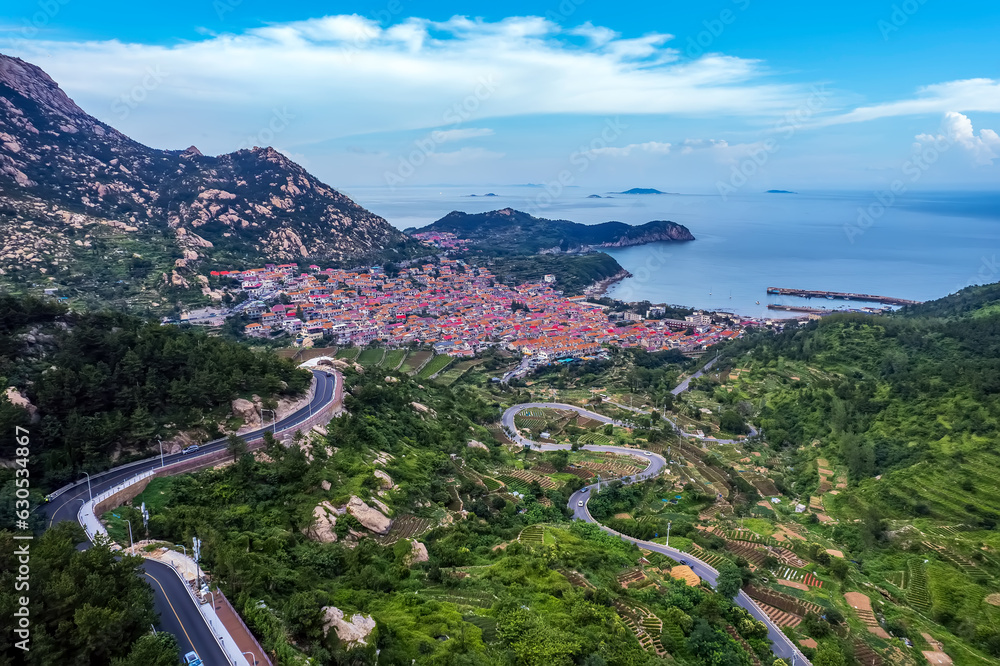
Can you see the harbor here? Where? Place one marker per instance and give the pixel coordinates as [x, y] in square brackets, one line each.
[839, 295]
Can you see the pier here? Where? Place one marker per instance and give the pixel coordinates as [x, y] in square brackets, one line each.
[840, 295]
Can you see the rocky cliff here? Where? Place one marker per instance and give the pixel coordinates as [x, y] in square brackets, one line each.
[72, 187]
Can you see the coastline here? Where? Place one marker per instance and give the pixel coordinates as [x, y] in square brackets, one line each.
[599, 288]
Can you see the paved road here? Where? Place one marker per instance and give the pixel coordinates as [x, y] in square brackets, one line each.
[178, 612]
[683, 386]
[781, 645]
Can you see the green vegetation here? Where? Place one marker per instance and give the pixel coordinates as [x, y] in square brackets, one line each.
[371, 357]
[86, 606]
[574, 273]
[393, 358]
[106, 385]
[434, 366]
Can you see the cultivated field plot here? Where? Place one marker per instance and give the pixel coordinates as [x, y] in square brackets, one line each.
[597, 438]
[498, 433]
[470, 598]
[349, 353]
[371, 357]
[525, 420]
[414, 360]
[528, 477]
[303, 355]
[406, 526]
[532, 534]
[454, 373]
[393, 358]
[434, 366]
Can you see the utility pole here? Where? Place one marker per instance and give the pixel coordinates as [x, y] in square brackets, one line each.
[131, 542]
[197, 558]
[668, 533]
[161, 451]
[88, 487]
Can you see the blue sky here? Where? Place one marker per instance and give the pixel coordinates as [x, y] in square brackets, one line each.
[682, 96]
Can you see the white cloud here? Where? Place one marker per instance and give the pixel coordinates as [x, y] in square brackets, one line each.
[444, 136]
[346, 75]
[965, 95]
[956, 129]
[652, 147]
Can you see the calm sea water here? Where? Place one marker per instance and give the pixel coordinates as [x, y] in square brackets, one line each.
[921, 247]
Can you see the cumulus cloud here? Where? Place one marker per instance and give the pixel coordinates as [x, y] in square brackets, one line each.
[346, 75]
[956, 129]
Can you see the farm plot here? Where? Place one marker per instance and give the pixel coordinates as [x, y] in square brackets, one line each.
[600, 439]
[470, 598]
[414, 360]
[406, 526]
[531, 422]
[534, 534]
[434, 366]
[371, 356]
[393, 358]
[456, 372]
[917, 593]
[349, 353]
[529, 477]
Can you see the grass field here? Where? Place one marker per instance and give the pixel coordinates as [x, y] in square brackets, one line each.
[371, 357]
[455, 372]
[393, 358]
[437, 364]
[414, 360]
[349, 353]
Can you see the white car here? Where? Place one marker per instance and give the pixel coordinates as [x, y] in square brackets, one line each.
[646, 453]
[580, 503]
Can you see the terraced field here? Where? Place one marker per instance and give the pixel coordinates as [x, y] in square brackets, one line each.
[917, 593]
[349, 353]
[436, 365]
[405, 526]
[454, 373]
[371, 357]
[534, 534]
[469, 598]
[414, 360]
[393, 358]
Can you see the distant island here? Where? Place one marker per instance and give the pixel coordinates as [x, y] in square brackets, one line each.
[488, 194]
[780, 192]
[596, 196]
[515, 231]
[642, 190]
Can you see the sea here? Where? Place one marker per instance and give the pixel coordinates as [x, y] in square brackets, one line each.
[919, 246]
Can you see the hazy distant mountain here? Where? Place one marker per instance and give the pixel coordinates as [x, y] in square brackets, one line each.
[514, 230]
[70, 184]
[641, 190]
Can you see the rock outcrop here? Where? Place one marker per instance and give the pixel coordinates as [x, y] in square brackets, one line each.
[371, 518]
[352, 633]
[247, 411]
[418, 554]
[324, 520]
[384, 479]
[18, 399]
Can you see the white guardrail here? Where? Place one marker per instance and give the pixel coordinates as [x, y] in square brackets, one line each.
[93, 527]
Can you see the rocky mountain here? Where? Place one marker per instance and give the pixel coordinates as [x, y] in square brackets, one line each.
[516, 231]
[73, 187]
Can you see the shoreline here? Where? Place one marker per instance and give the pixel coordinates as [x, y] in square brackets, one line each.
[599, 288]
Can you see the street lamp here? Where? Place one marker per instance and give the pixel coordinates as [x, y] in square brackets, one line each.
[668, 534]
[161, 451]
[274, 418]
[88, 487]
[131, 542]
[253, 657]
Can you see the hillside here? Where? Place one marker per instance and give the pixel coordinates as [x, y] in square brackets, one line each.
[515, 231]
[100, 387]
[83, 206]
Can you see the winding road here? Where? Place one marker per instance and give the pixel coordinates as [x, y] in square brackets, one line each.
[781, 645]
[178, 611]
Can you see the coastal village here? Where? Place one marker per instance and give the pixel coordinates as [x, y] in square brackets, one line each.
[458, 309]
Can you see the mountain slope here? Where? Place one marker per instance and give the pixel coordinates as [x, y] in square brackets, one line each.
[67, 181]
[510, 229]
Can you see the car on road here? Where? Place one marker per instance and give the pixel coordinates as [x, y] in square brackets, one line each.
[684, 562]
[191, 449]
[646, 453]
[580, 503]
[585, 489]
[192, 659]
